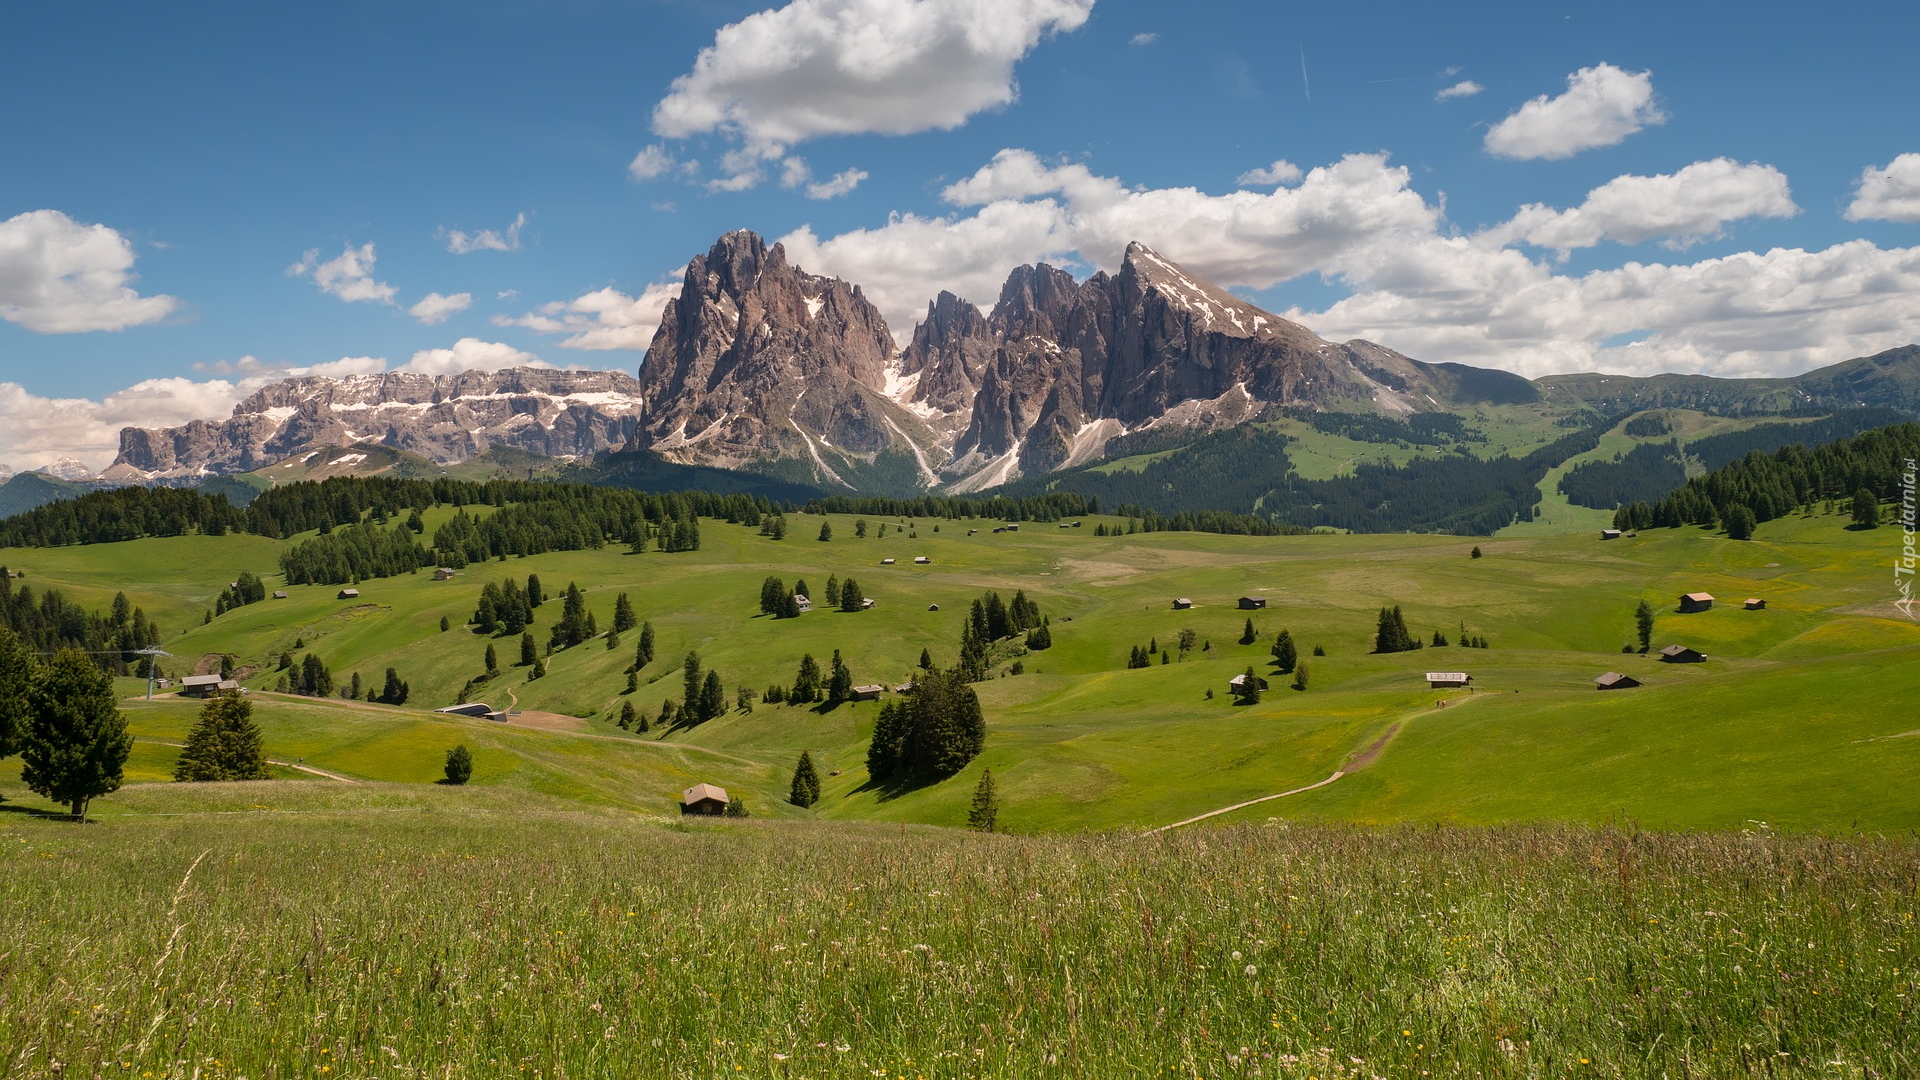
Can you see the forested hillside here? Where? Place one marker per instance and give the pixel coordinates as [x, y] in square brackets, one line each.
[1760, 487]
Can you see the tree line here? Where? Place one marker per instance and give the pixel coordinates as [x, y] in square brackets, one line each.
[1761, 487]
[49, 622]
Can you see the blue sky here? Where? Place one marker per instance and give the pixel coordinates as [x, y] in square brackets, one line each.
[169, 168]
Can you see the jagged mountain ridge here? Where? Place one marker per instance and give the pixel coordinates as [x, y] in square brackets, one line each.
[446, 418]
[759, 363]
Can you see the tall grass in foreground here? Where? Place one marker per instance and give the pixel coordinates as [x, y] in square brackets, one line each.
[572, 945]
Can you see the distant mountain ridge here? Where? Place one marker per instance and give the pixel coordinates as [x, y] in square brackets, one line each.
[445, 418]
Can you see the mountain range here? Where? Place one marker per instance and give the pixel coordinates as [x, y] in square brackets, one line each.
[760, 367]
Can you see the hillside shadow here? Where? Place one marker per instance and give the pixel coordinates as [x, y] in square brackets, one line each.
[34, 811]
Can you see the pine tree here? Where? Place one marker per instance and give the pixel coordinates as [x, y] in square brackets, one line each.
[395, 692]
[833, 591]
[1476, 551]
[1866, 509]
[773, 594]
[743, 698]
[691, 681]
[800, 589]
[1392, 636]
[355, 690]
[851, 598]
[529, 652]
[926, 659]
[1300, 676]
[669, 711]
[826, 532]
[806, 682]
[805, 790]
[1739, 522]
[643, 655]
[446, 624]
[623, 618]
[76, 742]
[459, 767]
[713, 697]
[1643, 625]
[1247, 636]
[1249, 691]
[628, 715]
[315, 678]
[889, 737]
[633, 683]
[984, 815]
[860, 529]
[535, 597]
[613, 640]
[538, 671]
[1040, 637]
[225, 743]
[839, 681]
[1285, 654]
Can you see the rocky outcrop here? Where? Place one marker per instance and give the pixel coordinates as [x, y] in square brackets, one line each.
[445, 418]
[941, 369]
[758, 362]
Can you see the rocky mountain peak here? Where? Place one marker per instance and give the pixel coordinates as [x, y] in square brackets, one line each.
[940, 368]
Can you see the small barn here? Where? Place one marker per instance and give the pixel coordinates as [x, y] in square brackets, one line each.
[1609, 534]
[1680, 654]
[348, 594]
[1252, 603]
[1443, 680]
[199, 685]
[1695, 601]
[868, 692]
[800, 601]
[1182, 604]
[866, 602]
[1012, 528]
[443, 574]
[933, 607]
[1240, 680]
[1613, 680]
[886, 562]
[921, 560]
[704, 799]
[1754, 603]
[280, 596]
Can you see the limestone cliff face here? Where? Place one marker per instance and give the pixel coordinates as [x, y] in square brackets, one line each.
[941, 369]
[759, 362]
[447, 418]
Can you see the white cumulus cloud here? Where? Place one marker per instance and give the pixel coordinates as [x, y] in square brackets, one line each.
[603, 319]
[1685, 207]
[1888, 193]
[434, 308]
[470, 354]
[1143, 38]
[845, 67]
[1463, 88]
[1280, 172]
[794, 174]
[461, 243]
[59, 276]
[36, 430]
[1414, 284]
[348, 276]
[1602, 106]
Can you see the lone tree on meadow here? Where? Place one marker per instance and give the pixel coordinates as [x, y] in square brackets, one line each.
[851, 598]
[643, 652]
[459, 767]
[806, 783]
[826, 532]
[1300, 676]
[932, 732]
[395, 692]
[224, 744]
[529, 652]
[76, 741]
[1391, 635]
[493, 660]
[1643, 622]
[1249, 636]
[623, 618]
[1285, 653]
[1866, 509]
[984, 814]
[839, 681]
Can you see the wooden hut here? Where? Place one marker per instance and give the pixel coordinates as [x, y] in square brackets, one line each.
[1695, 601]
[868, 692]
[922, 560]
[1680, 654]
[442, 574]
[886, 562]
[348, 594]
[1754, 603]
[704, 799]
[1252, 603]
[1182, 604]
[1613, 680]
[1609, 534]
[1234, 684]
[1444, 680]
[199, 685]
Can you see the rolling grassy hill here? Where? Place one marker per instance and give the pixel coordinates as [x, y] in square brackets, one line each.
[1800, 717]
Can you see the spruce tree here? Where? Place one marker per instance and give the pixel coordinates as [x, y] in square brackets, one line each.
[926, 659]
[1247, 636]
[839, 681]
[643, 654]
[628, 715]
[826, 532]
[851, 598]
[529, 652]
[459, 767]
[633, 683]
[713, 697]
[806, 682]
[691, 681]
[984, 815]
[889, 738]
[224, 744]
[1300, 676]
[1643, 625]
[535, 597]
[355, 690]
[947, 728]
[76, 742]
[1739, 522]
[833, 591]
[623, 618]
[805, 790]
[1285, 654]
[395, 692]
